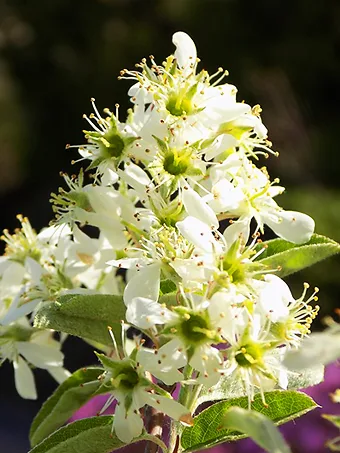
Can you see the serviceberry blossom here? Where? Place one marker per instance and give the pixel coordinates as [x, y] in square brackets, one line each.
[168, 216]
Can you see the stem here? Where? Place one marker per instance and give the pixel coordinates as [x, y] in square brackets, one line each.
[183, 393]
[173, 436]
[174, 442]
[154, 423]
[156, 441]
[192, 401]
[177, 447]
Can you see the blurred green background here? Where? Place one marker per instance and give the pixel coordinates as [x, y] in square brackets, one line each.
[281, 54]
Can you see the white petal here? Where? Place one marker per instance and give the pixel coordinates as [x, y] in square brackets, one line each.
[58, 373]
[222, 143]
[52, 234]
[24, 380]
[129, 263]
[105, 200]
[34, 269]
[145, 283]
[164, 362]
[4, 264]
[197, 207]
[185, 53]
[274, 298]
[169, 406]
[84, 240]
[207, 360]
[40, 355]
[13, 274]
[223, 111]
[127, 424]
[145, 313]
[292, 226]
[14, 312]
[140, 95]
[240, 227]
[198, 232]
[190, 270]
[135, 177]
[225, 197]
[227, 313]
[109, 177]
[279, 286]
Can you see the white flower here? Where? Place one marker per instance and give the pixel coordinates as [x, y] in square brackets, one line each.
[190, 103]
[250, 195]
[126, 380]
[222, 259]
[155, 259]
[253, 359]
[21, 344]
[192, 334]
[274, 299]
[291, 319]
[108, 142]
[88, 258]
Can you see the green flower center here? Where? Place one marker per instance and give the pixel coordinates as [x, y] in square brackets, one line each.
[180, 103]
[128, 378]
[79, 199]
[195, 329]
[177, 162]
[248, 355]
[235, 270]
[179, 106]
[112, 145]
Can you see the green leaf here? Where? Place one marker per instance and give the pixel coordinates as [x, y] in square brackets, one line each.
[290, 258]
[85, 316]
[283, 406]
[167, 286]
[257, 426]
[64, 402]
[90, 435]
[169, 300]
[228, 387]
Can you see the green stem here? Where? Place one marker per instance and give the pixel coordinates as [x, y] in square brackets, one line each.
[184, 391]
[191, 404]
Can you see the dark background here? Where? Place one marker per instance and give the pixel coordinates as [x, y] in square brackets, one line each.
[56, 54]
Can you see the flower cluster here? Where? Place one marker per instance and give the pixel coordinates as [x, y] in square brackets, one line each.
[180, 199]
